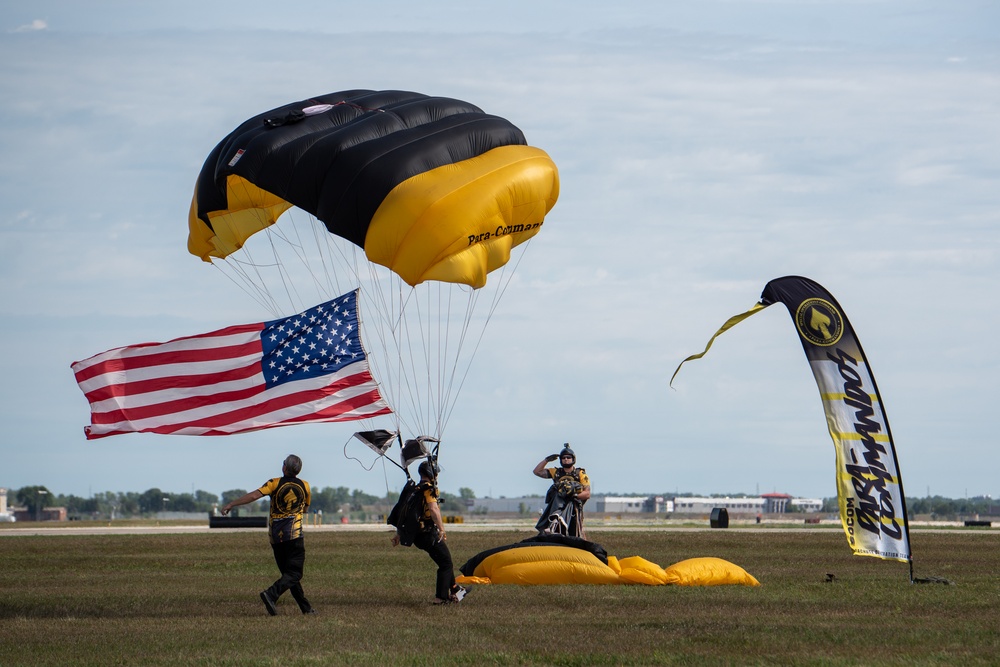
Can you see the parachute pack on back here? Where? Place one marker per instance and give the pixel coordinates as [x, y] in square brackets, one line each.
[407, 514]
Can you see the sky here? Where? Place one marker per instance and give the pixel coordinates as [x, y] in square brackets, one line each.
[703, 150]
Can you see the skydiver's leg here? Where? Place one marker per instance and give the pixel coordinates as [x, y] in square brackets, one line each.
[298, 562]
[441, 555]
[446, 571]
[290, 558]
[578, 522]
[545, 521]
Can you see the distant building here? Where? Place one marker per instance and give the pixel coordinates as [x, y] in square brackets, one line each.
[630, 504]
[767, 503]
[775, 503]
[4, 514]
[44, 514]
[807, 504]
[10, 513]
[702, 505]
[533, 505]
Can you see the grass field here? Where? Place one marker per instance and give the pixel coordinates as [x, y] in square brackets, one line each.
[193, 600]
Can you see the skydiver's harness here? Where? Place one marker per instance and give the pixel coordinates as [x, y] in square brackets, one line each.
[410, 514]
[563, 482]
[563, 513]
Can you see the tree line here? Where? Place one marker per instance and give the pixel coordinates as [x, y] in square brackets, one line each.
[939, 508]
[130, 504]
[333, 500]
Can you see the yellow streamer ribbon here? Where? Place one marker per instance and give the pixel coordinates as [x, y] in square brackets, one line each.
[730, 323]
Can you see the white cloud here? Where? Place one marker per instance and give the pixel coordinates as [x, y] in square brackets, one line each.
[34, 26]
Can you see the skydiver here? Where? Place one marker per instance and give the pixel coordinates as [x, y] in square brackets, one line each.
[290, 499]
[431, 536]
[564, 500]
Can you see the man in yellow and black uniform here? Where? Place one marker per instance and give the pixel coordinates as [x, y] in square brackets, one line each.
[290, 500]
[563, 513]
[431, 536]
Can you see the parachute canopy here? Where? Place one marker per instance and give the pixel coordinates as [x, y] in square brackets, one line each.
[556, 559]
[432, 188]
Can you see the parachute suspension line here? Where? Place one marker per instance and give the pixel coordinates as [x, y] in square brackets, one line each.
[277, 265]
[436, 343]
[427, 337]
[310, 252]
[380, 302]
[444, 342]
[466, 322]
[326, 248]
[423, 381]
[346, 263]
[320, 278]
[443, 345]
[363, 326]
[286, 280]
[316, 264]
[385, 476]
[394, 324]
[232, 272]
[246, 270]
[503, 281]
[382, 457]
[506, 275]
[404, 337]
[390, 353]
[354, 458]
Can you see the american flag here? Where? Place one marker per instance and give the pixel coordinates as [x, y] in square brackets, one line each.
[306, 368]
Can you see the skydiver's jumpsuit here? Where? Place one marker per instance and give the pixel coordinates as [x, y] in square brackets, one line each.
[570, 508]
[429, 541]
[290, 499]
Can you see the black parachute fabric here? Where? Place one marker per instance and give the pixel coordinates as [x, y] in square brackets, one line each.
[363, 154]
[538, 540]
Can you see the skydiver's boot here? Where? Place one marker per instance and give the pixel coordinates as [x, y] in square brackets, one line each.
[268, 601]
[300, 599]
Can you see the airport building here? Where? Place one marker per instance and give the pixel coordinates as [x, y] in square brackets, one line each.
[768, 503]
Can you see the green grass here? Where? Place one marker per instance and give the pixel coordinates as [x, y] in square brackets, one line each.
[192, 600]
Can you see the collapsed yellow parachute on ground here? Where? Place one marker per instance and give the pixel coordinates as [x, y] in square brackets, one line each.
[548, 560]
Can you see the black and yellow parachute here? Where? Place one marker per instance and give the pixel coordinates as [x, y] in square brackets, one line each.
[431, 187]
[413, 200]
[546, 560]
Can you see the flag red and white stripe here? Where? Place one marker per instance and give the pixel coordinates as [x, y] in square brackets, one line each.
[215, 383]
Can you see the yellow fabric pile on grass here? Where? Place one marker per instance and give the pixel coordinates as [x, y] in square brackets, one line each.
[555, 564]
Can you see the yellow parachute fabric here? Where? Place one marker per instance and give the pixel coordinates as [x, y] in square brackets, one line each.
[460, 221]
[708, 571]
[430, 187]
[553, 564]
[548, 564]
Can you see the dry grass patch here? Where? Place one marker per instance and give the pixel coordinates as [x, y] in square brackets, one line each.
[192, 600]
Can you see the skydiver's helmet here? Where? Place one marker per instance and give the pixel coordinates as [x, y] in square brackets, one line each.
[429, 469]
[567, 451]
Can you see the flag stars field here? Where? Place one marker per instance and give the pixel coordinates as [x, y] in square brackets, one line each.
[297, 388]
